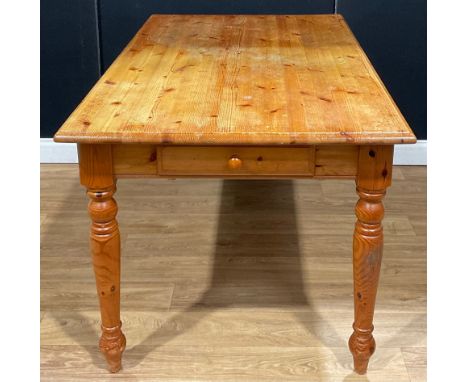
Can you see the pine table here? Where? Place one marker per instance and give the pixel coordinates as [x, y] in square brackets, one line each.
[237, 96]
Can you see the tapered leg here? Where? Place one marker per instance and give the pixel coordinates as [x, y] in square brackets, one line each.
[367, 255]
[105, 249]
[373, 177]
[96, 175]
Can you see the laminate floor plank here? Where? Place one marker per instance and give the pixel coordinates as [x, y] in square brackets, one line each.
[202, 363]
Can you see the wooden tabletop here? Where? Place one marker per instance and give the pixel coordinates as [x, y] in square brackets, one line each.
[239, 80]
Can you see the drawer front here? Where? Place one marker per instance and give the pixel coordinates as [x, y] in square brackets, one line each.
[236, 161]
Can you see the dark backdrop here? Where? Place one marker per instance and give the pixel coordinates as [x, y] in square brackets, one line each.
[80, 39]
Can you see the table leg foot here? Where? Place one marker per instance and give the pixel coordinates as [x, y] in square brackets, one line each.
[362, 346]
[112, 345]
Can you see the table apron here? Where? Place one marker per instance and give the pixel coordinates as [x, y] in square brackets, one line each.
[238, 162]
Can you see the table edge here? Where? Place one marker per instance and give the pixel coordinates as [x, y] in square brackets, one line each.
[244, 139]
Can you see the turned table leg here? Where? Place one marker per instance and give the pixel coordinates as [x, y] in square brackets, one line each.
[374, 176]
[96, 175]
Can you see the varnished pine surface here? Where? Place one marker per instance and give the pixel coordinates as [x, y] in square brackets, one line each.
[232, 281]
[239, 80]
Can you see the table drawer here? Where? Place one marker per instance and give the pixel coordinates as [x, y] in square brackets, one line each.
[236, 161]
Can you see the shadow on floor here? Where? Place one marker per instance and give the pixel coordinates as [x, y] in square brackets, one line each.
[256, 261]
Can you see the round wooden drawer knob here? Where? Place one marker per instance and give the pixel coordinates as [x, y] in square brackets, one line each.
[235, 163]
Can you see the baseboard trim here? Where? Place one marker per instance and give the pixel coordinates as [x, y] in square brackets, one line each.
[411, 155]
[52, 152]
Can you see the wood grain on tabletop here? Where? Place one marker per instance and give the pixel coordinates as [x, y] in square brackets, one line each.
[239, 80]
[233, 280]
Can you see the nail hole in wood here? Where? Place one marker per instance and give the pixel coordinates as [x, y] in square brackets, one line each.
[372, 153]
[260, 158]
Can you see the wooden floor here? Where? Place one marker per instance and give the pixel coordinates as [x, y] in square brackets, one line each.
[232, 280]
